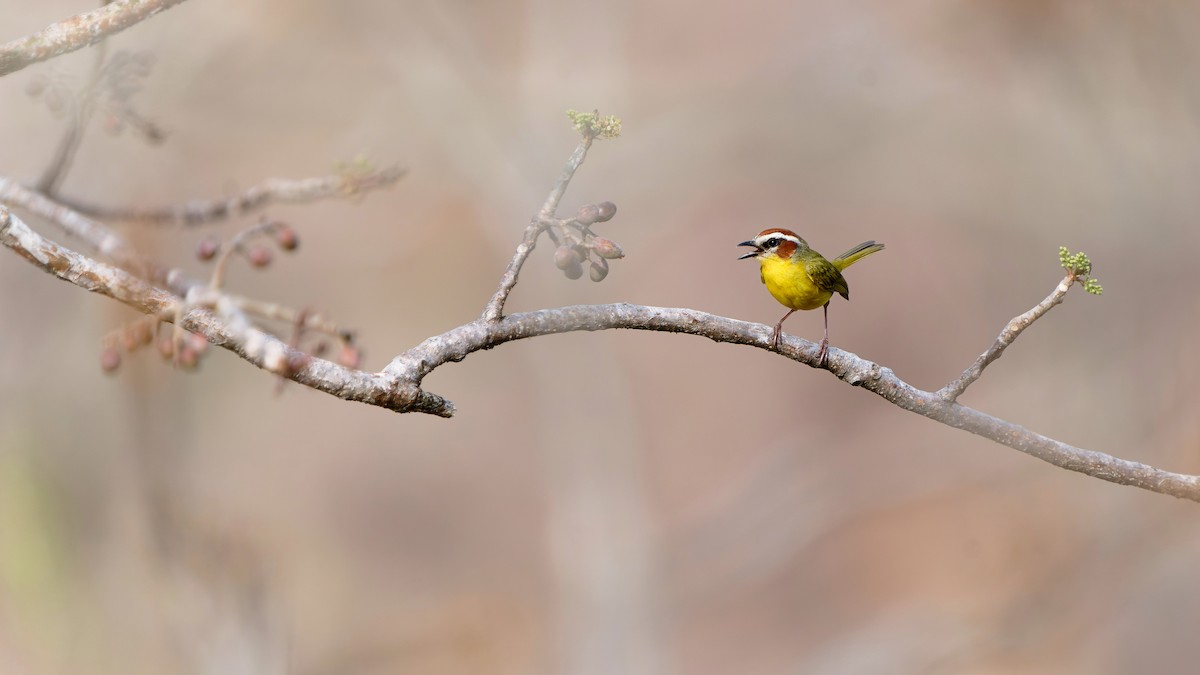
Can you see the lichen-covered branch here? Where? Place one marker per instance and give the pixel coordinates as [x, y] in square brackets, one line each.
[457, 344]
[77, 32]
[398, 386]
[96, 235]
[233, 333]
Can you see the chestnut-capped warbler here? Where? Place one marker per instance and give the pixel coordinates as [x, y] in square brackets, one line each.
[799, 277]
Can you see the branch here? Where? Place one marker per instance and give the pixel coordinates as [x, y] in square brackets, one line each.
[495, 307]
[1079, 269]
[456, 344]
[276, 190]
[1015, 327]
[218, 317]
[590, 127]
[237, 335]
[81, 112]
[397, 387]
[96, 235]
[77, 32]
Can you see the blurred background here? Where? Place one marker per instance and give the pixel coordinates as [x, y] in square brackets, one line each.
[624, 502]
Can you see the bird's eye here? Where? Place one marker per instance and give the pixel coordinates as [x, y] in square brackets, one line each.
[772, 242]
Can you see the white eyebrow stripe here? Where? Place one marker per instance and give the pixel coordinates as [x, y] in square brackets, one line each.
[762, 238]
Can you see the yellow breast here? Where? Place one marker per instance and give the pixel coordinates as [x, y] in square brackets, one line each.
[790, 284]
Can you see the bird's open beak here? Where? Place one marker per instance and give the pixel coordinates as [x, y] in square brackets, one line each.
[751, 254]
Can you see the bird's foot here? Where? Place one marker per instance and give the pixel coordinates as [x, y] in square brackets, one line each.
[823, 352]
[775, 338]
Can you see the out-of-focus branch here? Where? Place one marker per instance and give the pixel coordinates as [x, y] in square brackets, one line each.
[97, 236]
[235, 334]
[590, 127]
[495, 307]
[77, 32]
[81, 112]
[276, 190]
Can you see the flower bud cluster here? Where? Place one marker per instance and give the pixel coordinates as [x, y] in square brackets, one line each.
[185, 351]
[580, 247]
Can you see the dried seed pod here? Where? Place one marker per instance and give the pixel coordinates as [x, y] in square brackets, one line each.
[197, 343]
[607, 248]
[588, 214]
[564, 257]
[166, 346]
[598, 270]
[188, 358]
[574, 270]
[349, 356]
[110, 359]
[606, 210]
[144, 333]
[259, 256]
[286, 237]
[207, 248]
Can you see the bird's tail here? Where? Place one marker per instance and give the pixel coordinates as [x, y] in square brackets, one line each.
[855, 254]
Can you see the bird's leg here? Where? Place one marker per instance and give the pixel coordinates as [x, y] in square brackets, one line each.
[775, 334]
[823, 353]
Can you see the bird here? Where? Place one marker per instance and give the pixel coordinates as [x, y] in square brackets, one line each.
[800, 278]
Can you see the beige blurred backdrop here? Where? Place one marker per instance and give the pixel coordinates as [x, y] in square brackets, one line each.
[625, 502]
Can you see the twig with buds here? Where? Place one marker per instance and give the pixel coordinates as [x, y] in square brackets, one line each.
[1079, 268]
[570, 260]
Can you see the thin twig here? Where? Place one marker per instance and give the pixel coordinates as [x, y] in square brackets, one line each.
[81, 113]
[302, 318]
[276, 190]
[1015, 327]
[77, 32]
[494, 310]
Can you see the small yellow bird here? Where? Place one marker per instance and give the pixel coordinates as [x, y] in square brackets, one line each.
[799, 277]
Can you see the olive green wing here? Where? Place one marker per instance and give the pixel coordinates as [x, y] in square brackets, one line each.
[826, 276]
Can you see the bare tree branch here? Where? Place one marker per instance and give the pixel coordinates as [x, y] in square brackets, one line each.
[1015, 327]
[458, 343]
[545, 216]
[80, 112]
[237, 335]
[77, 32]
[257, 198]
[397, 387]
[209, 311]
[97, 236]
